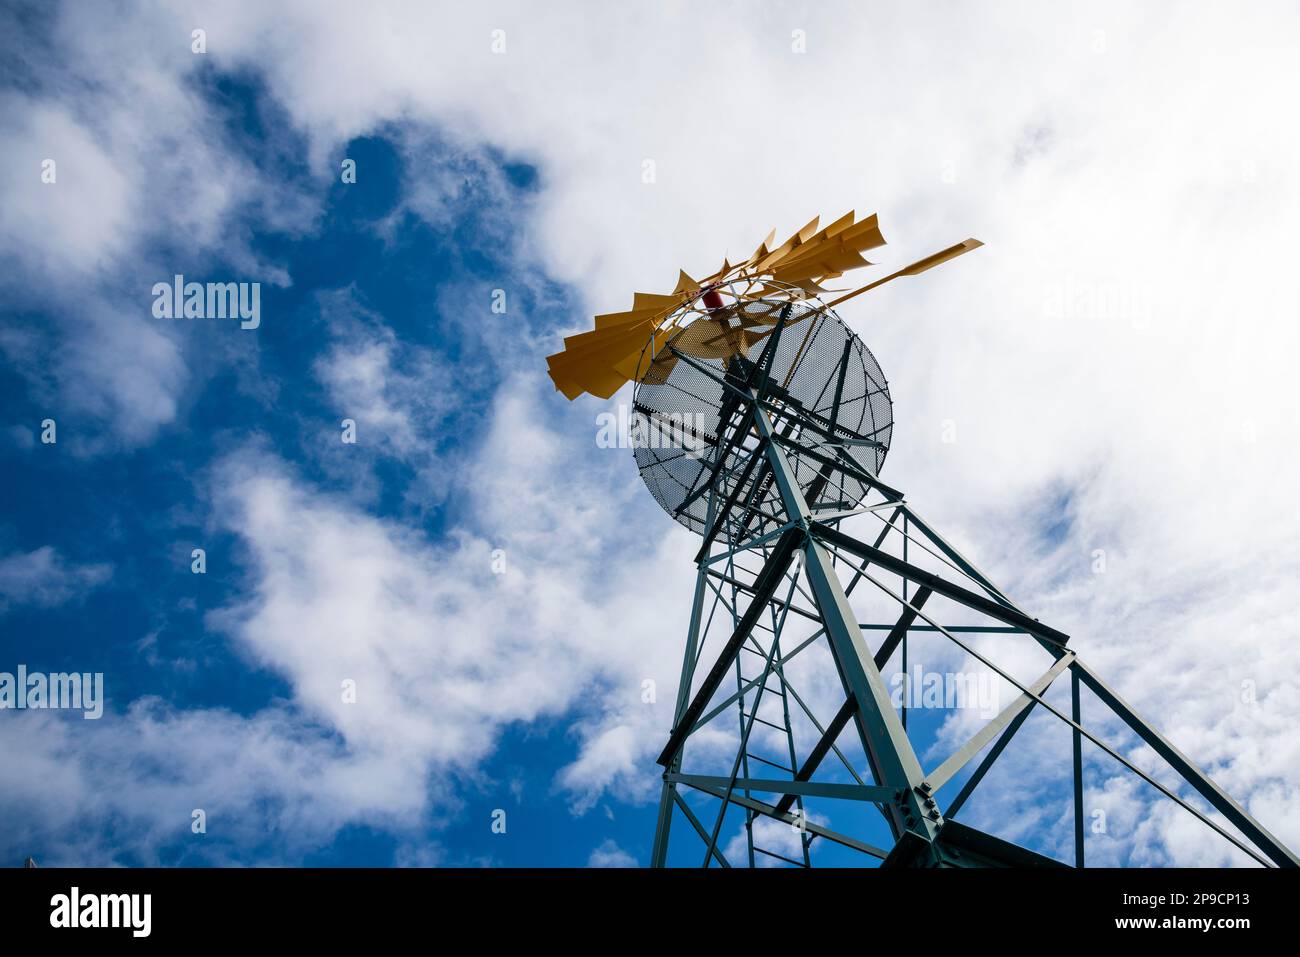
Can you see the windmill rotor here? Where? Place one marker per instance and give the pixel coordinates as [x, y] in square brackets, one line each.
[621, 346]
[790, 343]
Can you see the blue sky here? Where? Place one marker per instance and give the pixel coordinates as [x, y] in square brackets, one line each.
[140, 510]
[1089, 381]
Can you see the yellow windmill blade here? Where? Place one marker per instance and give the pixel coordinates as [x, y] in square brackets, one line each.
[864, 235]
[843, 223]
[809, 231]
[595, 374]
[645, 306]
[612, 320]
[828, 262]
[762, 249]
[588, 350]
[842, 238]
[697, 321]
[915, 269]
[656, 361]
[602, 360]
[685, 284]
[651, 300]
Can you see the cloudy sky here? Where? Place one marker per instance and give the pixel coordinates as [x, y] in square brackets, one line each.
[1116, 367]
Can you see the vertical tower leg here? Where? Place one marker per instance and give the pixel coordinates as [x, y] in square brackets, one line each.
[889, 752]
[667, 794]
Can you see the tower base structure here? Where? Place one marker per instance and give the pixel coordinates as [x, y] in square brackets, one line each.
[794, 624]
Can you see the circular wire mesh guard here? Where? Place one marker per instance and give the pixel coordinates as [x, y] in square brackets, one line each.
[678, 434]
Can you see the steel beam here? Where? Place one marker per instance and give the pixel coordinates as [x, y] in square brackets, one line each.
[1230, 809]
[699, 828]
[850, 707]
[1078, 769]
[775, 602]
[899, 631]
[848, 792]
[764, 588]
[659, 852]
[973, 781]
[753, 683]
[889, 752]
[821, 748]
[944, 772]
[1003, 613]
[724, 514]
[809, 826]
[957, 558]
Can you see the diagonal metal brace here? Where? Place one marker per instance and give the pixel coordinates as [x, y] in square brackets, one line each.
[941, 775]
[850, 707]
[769, 578]
[1009, 616]
[1190, 773]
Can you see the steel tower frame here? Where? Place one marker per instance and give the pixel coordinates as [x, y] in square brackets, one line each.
[802, 542]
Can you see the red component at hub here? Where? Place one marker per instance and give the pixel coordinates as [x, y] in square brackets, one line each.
[711, 299]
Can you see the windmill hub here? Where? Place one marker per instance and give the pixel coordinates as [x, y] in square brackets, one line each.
[823, 386]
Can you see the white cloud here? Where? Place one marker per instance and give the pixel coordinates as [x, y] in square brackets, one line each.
[772, 836]
[129, 785]
[609, 854]
[44, 578]
[442, 652]
[76, 222]
[399, 394]
[1124, 335]
[150, 182]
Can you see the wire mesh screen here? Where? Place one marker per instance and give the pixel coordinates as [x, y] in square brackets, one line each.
[830, 402]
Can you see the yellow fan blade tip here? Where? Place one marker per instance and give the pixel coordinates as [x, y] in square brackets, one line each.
[762, 249]
[864, 235]
[654, 301]
[563, 383]
[841, 224]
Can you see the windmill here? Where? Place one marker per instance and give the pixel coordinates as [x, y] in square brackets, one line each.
[762, 423]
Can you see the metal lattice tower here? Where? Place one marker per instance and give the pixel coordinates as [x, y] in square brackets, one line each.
[770, 453]
[762, 423]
